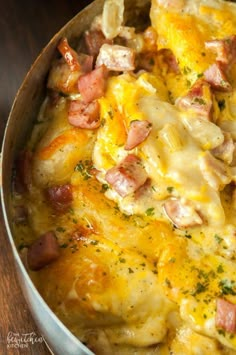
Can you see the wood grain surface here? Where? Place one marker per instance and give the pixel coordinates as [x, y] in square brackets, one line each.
[26, 26]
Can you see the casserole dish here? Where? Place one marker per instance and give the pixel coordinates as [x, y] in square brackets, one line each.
[132, 249]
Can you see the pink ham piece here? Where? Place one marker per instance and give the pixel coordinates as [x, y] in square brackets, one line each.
[92, 85]
[86, 62]
[216, 77]
[182, 213]
[138, 132]
[225, 49]
[43, 251]
[83, 115]
[198, 99]
[60, 197]
[225, 315]
[69, 54]
[127, 176]
[116, 58]
[94, 40]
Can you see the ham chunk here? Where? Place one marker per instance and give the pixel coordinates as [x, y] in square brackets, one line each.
[198, 99]
[116, 58]
[83, 115]
[94, 39]
[138, 132]
[216, 77]
[43, 251]
[225, 315]
[225, 49]
[92, 85]
[215, 172]
[127, 176]
[182, 213]
[60, 197]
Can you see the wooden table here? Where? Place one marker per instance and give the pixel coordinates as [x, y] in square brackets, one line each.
[26, 26]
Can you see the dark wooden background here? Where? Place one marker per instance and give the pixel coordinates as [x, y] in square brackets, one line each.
[26, 26]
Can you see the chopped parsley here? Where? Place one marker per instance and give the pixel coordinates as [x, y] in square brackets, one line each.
[218, 238]
[170, 189]
[150, 211]
[228, 287]
[220, 269]
[84, 167]
[104, 188]
[201, 287]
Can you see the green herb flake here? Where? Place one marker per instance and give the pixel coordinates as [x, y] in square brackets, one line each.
[170, 189]
[168, 283]
[64, 245]
[218, 238]
[150, 211]
[200, 101]
[130, 270]
[122, 260]
[200, 288]
[104, 188]
[60, 229]
[220, 269]
[228, 287]
[188, 236]
[84, 167]
[172, 260]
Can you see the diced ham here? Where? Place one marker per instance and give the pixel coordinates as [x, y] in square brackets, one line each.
[225, 151]
[60, 197]
[69, 54]
[83, 115]
[169, 59]
[92, 85]
[116, 58]
[225, 315]
[182, 213]
[225, 49]
[216, 77]
[43, 251]
[138, 132]
[198, 99]
[94, 40]
[127, 176]
[215, 172]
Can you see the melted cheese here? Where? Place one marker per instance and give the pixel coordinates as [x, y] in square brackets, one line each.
[127, 281]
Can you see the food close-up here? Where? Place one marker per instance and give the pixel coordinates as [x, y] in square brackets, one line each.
[123, 197]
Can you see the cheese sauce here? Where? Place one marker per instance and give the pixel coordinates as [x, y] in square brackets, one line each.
[134, 275]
